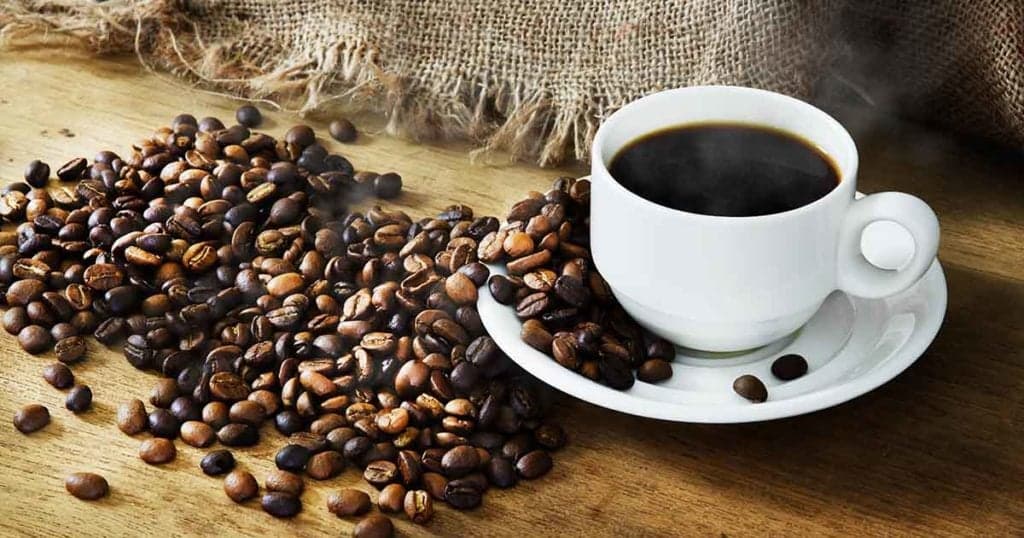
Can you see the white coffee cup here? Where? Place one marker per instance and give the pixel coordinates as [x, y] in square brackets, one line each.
[733, 283]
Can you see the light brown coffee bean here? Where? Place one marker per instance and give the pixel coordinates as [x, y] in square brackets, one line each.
[31, 418]
[419, 507]
[348, 502]
[324, 465]
[86, 486]
[197, 434]
[157, 451]
[391, 498]
[284, 482]
[132, 417]
[241, 486]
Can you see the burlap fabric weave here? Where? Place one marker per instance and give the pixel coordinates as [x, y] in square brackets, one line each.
[537, 77]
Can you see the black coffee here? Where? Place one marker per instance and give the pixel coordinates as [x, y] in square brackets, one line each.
[725, 169]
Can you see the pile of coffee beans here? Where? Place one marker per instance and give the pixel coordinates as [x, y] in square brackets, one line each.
[231, 262]
[567, 308]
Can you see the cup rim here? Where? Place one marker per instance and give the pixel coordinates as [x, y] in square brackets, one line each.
[846, 179]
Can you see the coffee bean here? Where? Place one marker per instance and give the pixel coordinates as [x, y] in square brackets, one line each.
[15, 319]
[70, 349]
[534, 334]
[462, 494]
[248, 116]
[534, 464]
[103, 276]
[460, 461]
[391, 498]
[532, 305]
[237, 434]
[185, 409]
[73, 169]
[418, 506]
[217, 463]
[324, 465]
[30, 418]
[374, 526]
[157, 451]
[240, 486]
[58, 375]
[34, 339]
[615, 373]
[654, 371]
[248, 412]
[789, 367]
[572, 290]
[750, 388]
[163, 424]
[285, 482]
[79, 399]
[216, 414]
[387, 186]
[37, 173]
[501, 472]
[86, 486]
[342, 130]
[131, 417]
[280, 504]
[197, 434]
[292, 458]
[228, 386]
[379, 473]
[348, 502]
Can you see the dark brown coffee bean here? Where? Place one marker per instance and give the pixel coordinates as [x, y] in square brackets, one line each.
[15, 319]
[285, 482]
[249, 116]
[73, 169]
[240, 485]
[103, 276]
[615, 373]
[654, 371]
[534, 334]
[387, 186]
[292, 458]
[236, 434]
[460, 461]
[789, 367]
[70, 349]
[86, 486]
[163, 392]
[197, 434]
[163, 424]
[501, 472]
[374, 526]
[419, 507]
[532, 305]
[37, 173]
[348, 502]
[550, 436]
[131, 417]
[342, 130]
[391, 498]
[157, 451]
[58, 375]
[79, 399]
[280, 504]
[30, 418]
[751, 388]
[34, 339]
[572, 290]
[228, 387]
[462, 494]
[217, 463]
[534, 464]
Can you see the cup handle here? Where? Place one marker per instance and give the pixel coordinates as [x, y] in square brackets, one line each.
[857, 276]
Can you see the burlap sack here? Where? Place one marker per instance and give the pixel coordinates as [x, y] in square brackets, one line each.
[537, 77]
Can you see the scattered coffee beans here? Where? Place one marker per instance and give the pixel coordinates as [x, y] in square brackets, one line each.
[249, 116]
[197, 434]
[241, 486]
[374, 526]
[342, 130]
[157, 450]
[284, 481]
[131, 417]
[280, 504]
[58, 375]
[348, 502]
[30, 418]
[789, 367]
[217, 462]
[751, 388]
[86, 486]
[79, 399]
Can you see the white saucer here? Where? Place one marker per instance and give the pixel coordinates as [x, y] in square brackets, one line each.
[852, 346]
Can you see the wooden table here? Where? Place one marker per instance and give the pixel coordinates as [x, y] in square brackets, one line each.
[937, 451]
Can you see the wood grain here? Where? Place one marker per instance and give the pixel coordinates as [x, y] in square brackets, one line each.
[939, 451]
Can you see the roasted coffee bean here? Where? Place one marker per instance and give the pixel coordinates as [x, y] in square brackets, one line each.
[217, 462]
[184, 408]
[280, 504]
[501, 472]
[37, 173]
[197, 434]
[285, 482]
[240, 485]
[157, 451]
[163, 392]
[30, 418]
[374, 526]
[534, 464]
[751, 388]
[615, 373]
[15, 319]
[654, 371]
[460, 461]
[391, 498]
[532, 305]
[79, 399]
[34, 339]
[248, 412]
[348, 502]
[248, 116]
[789, 367]
[342, 130]
[228, 387]
[236, 434]
[163, 424]
[58, 375]
[216, 414]
[462, 494]
[86, 486]
[387, 186]
[131, 417]
[380, 472]
[292, 458]
[550, 436]
[326, 464]
[419, 507]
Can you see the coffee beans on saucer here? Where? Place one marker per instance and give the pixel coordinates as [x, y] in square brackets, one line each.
[789, 367]
[751, 388]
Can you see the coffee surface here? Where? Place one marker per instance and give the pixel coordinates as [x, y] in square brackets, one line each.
[725, 169]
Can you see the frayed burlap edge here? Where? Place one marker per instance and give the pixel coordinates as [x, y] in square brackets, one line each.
[346, 73]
